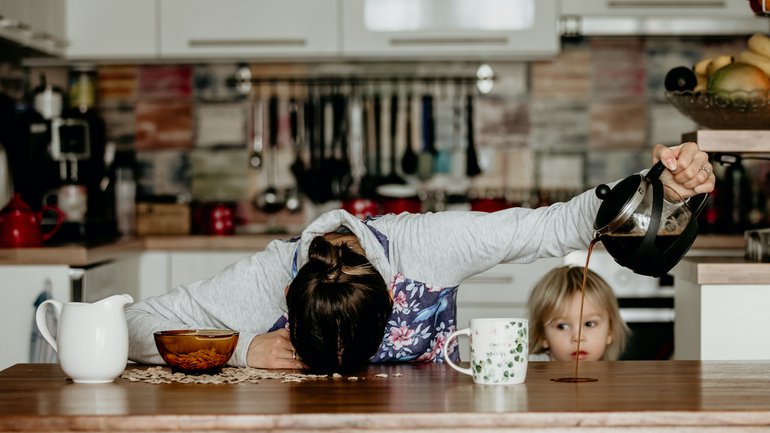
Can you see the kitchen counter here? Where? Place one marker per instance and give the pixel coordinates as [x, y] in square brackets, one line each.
[78, 255]
[722, 270]
[671, 396]
[721, 306]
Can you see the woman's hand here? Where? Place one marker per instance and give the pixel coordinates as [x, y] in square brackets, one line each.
[689, 170]
[273, 350]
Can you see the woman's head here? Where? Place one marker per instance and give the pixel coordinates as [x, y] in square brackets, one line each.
[338, 308]
[554, 311]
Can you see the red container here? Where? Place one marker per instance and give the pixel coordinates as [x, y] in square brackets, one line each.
[219, 219]
[489, 204]
[20, 225]
[397, 205]
[399, 198]
[361, 208]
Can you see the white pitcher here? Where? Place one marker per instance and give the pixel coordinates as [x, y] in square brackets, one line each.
[92, 339]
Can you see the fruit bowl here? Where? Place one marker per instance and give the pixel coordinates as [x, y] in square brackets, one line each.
[196, 351]
[724, 110]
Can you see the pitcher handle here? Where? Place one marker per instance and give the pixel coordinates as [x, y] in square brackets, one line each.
[466, 331]
[41, 322]
[59, 220]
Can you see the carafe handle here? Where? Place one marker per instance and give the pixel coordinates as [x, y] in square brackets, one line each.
[41, 323]
[655, 171]
[697, 203]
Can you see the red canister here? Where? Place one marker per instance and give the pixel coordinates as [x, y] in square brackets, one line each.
[399, 198]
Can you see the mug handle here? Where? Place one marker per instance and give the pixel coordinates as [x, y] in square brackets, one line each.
[41, 323]
[466, 331]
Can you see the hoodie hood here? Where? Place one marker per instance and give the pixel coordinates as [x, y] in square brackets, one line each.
[332, 221]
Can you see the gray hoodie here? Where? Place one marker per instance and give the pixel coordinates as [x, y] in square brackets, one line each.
[440, 249]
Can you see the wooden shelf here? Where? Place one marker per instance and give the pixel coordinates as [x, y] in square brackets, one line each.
[731, 140]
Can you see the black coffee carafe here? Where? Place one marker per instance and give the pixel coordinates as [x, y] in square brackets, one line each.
[641, 229]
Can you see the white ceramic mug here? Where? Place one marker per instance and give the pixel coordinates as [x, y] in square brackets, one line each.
[92, 339]
[498, 350]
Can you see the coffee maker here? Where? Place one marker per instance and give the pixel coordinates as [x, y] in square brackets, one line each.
[62, 161]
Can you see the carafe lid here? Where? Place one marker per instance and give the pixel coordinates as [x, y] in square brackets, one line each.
[618, 203]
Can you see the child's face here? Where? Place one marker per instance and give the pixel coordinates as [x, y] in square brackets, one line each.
[561, 333]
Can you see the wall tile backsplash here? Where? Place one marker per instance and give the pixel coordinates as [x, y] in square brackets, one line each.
[588, 116]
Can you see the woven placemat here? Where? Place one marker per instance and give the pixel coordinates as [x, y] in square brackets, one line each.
[231, 375]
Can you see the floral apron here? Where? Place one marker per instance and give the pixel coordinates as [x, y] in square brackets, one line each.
[423, 316]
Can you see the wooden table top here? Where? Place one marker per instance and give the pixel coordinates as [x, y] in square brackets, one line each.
[648, 395]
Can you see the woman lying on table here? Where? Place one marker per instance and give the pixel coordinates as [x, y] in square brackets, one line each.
[348, 292]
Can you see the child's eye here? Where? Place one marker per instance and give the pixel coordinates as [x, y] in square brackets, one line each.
[561, 326]
[591, 324]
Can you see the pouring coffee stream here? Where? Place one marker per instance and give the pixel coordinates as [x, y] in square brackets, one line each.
[642, 231]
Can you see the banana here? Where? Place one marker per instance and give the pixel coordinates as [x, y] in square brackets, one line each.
[755, 59]
[718, 62]
[702, 83]
[701, 67]
[760, 44]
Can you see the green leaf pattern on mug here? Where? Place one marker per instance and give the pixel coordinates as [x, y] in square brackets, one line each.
[499, 364]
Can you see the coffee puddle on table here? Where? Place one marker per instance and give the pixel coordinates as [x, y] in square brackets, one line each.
[576, 378]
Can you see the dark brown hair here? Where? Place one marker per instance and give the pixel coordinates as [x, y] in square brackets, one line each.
[338, 308]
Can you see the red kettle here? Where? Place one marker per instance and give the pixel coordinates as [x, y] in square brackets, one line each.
[20, 225]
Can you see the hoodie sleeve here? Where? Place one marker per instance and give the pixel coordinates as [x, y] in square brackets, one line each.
[445, 248]
[248, 296]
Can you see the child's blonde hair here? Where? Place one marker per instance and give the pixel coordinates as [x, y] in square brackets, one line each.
[551, 294]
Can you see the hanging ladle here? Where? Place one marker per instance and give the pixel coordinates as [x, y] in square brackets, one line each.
[271, 200]
[293, 198]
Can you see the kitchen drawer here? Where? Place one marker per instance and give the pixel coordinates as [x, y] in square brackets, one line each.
[254, 28]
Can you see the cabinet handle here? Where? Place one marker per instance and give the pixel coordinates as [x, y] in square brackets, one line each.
[642, 4]
[43, 36]
[502, 279]
[14, 25]
[208, 43]
[449, 41]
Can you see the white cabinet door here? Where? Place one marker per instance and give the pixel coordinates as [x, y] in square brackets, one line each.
[499, 292]
[189, 266]
[254, 28]
[111, 29]
[112, 278]
[520, 29]
[37, 24]
[655, 17]
[19, 288]
[701, 8]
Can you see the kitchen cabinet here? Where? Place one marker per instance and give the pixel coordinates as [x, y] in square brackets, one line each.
[111, 29]
[654, 17]
[449, 29]
[160, 271]
[248, 28]
[22, 284]
[499, 292]
[189, 266]
[721, 309]
[35, 24]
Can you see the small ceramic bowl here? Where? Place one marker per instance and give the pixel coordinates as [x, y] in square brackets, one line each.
[196, 351]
